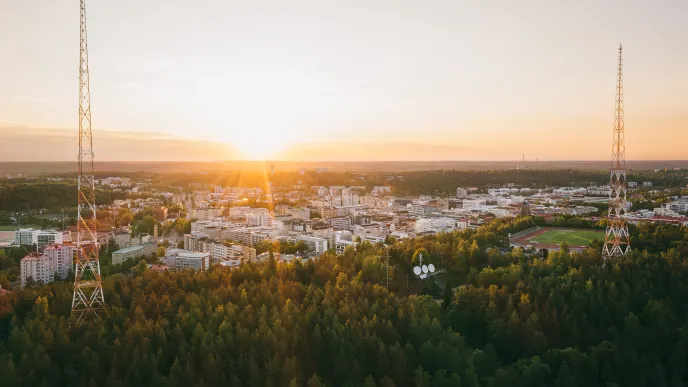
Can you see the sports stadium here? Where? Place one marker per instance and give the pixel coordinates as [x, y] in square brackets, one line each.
[551, 238]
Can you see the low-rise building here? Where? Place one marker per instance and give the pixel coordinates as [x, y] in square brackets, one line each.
[191, 260]
[207, 213]
[318, 245]
[131, 252]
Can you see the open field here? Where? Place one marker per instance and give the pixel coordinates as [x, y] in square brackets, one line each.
[572, 237]
[11, 227]
[546, 237]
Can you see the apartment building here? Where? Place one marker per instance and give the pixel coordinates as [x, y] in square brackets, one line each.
[38, 267]
[62, 256]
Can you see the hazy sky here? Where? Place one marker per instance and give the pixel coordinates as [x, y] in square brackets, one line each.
[343, 80]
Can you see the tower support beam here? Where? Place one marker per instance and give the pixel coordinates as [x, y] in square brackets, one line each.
[88, 291]
[617, 240]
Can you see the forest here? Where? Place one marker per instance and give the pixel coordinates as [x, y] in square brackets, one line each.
[501, 319]
[24, 195]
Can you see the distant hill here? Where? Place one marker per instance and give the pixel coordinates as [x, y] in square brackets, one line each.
[38, 168]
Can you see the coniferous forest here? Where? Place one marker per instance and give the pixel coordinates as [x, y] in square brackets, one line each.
[503, 319]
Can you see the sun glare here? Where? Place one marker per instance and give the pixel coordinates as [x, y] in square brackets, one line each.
[258, 145]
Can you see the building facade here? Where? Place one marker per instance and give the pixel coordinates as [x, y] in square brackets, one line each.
[128, 253]
[38, 267]
[62, 256]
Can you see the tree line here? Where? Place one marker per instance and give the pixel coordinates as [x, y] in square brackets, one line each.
[505, 318]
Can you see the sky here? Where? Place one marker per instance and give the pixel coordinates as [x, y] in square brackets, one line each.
[344, 80]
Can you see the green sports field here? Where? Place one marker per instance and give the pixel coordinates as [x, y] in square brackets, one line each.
[572, 237]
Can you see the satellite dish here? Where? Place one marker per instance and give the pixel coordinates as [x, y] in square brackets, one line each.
[416, 270]
[431, 267]
[425, 268]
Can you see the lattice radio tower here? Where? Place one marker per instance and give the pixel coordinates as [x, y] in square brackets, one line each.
[616, 241]
[88, 291]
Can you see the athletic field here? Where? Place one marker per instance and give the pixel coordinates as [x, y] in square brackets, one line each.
[545, 237]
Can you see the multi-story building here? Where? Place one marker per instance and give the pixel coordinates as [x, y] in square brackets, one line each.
[259, 217]
[128, 253]
[300, 213]
[40, 238]
[207, 213]
[647, 184]
[342, 223]
[421, 210]
[122, 239]
[318, 245]
[342, 240]
[38, 267]
[350, 200]
[192, 260]
[239, 212]
[161, 214]
[598, 191]
[25, 237]
[48, 237]
[196, 241]
[434, 224]
[62, 256]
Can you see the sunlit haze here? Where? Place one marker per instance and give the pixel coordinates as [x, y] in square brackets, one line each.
[344, 80]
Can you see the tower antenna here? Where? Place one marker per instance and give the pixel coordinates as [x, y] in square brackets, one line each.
[88, 291]
[617, 241]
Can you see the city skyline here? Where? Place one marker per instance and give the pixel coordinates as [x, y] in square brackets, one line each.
[388, 81]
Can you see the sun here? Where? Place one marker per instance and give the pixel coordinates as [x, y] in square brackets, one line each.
[258, 145]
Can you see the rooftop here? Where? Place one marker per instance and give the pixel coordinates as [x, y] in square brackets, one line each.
[129, 249]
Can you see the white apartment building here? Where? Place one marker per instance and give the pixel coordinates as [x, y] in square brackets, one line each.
[461, 192]
[632, 184]
[195, 241]
[568, 191]
[319, 245]
[342, 223]
[207, 213]
[350, 200]
[259, 217]
[434, 224]
[48, 237]
[62, 256]
[38, 267]
[192, 260]
[40, 238]
[599, 191]
[220, 252]
[26, 237]
[647, 184]
[342, 240]
[239, 212]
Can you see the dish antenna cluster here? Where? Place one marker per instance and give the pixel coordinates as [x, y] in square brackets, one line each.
[423, 271]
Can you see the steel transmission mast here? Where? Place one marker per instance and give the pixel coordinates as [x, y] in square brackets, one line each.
[88, 292]
[616, 241]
